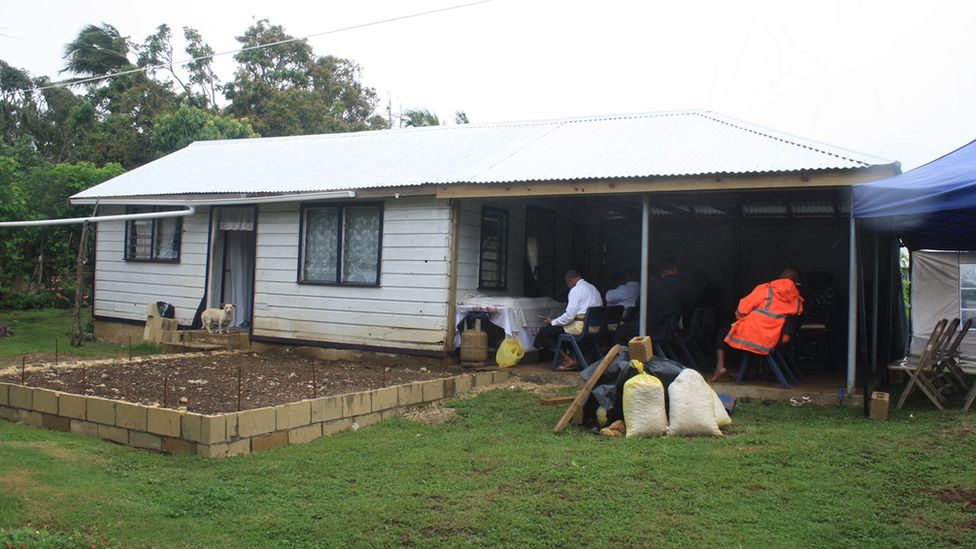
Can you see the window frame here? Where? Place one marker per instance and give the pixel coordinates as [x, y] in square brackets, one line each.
[341, 207]
[503, 215]
[152, 248]
[962, 288]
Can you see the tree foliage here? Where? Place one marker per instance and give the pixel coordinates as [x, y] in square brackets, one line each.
[176, 130]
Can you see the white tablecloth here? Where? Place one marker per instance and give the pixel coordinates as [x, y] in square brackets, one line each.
[518, 316]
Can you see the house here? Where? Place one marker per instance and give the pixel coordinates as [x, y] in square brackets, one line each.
[368, 239]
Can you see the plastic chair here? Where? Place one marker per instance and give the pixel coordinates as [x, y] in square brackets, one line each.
[673, 338]
[776, 363]
[593, 326]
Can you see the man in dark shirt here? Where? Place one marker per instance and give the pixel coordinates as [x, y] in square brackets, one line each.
[667, 297]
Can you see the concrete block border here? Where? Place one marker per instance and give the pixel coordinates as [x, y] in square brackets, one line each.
[229, 434]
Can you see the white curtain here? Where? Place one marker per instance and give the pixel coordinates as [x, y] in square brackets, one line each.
[167, 238]
[237, 219]
[321, 235]
[240, 265]
[361, 245]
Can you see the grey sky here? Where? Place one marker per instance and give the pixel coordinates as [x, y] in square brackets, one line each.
[895, 79]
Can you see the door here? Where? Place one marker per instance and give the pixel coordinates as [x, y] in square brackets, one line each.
[234, 250]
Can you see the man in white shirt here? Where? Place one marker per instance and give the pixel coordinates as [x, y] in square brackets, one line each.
[625, 292]
[582, 296]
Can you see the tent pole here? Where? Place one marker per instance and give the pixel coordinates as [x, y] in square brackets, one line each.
[874, 306]
[851, 305]
[645, 256]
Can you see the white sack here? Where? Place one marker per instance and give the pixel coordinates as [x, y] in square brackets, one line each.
[644, 411]
[692, 406]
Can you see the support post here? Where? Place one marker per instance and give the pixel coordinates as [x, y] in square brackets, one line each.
[645, 257]
[874, 305]
[452, 280]
[852, 306]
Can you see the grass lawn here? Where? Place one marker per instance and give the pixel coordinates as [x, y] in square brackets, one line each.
[36, 331]
[497, 476]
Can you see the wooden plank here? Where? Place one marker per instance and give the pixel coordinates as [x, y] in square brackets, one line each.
[552, 401]
[584, 393]
[835, 178]
[453, 277]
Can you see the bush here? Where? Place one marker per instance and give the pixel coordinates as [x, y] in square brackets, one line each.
[57, 294]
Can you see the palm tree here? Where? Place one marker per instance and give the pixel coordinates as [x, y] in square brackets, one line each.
[418, 117]
[461, 117]
[96, 51]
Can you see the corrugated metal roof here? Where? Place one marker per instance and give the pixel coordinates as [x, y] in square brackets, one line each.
[683, 143]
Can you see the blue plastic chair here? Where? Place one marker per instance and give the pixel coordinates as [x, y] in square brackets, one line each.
[593, 326]
[776, 363]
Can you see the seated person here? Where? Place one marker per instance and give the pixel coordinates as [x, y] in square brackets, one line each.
[582, 296]
[708, 293]
[760, 317]
[819, 298]
[667, 295]
[625, 291]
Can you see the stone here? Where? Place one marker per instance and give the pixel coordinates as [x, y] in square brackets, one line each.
[72, 406]
[100, 410]
[327, 408]
[8, 413]
[45, 401]
[4, 392]
[56, 423]
[296, 414]
[192, 426]
[305, 434]
[499, 376]
[230, 426]
[483, 379]
[463, 383]
[30, 417]
[356, 404]
[164, 422]
[409, 394]
[433, 390]
[448, 387]
[213, 429]
[84, 428]
[114, 434]
[392, 412]
[178, 446]
[384, 399]
[255, 422]
[145, 441]
[269, 441]
[224, 449]
[369, 419]
[330, 428]
[130, 416]
[20, 397]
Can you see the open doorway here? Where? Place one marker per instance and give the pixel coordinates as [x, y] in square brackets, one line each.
[232, 271]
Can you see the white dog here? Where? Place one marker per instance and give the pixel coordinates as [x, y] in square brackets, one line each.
[222, 317]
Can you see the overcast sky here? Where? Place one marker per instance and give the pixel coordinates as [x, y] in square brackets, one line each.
[894, 79]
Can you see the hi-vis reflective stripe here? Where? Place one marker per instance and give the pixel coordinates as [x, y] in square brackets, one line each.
[769, 314]
[750, 344]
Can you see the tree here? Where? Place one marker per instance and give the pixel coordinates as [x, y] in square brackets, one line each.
[286, 90]
[176, 130]
[157, 53]
[415, 118]
[461, 117]
[201, 67]
[97, 51]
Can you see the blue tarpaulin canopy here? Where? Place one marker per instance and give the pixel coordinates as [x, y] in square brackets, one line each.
[931, 207]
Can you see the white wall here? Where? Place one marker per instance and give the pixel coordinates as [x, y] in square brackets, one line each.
[124, 288]
[469, 246]
[935, 295]
[407, 311]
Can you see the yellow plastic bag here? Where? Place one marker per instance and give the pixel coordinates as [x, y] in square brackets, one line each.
[643, 401]
[510, 352]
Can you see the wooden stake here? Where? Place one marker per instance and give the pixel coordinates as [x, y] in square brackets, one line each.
[77, 330]
[238, 388]
[23, 370]
[315, 384]
[584, 393]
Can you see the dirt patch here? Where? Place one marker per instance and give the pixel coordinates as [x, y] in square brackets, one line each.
[956, 495]
[47, 448]
[434, 414]
[16, 479]
[515, 384]
[208, 384]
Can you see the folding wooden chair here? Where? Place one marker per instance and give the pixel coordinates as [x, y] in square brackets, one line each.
[951, 357]
[921, 375]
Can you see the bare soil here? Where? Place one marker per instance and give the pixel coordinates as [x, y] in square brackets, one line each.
[209, 384]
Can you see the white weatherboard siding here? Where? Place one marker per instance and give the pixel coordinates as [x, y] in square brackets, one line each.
[407, 311]
[124, 288]
[469, 247]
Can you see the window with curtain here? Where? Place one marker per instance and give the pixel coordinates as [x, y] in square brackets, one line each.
[153, 239]
[967, 292]
[341, 244]
[493, 263]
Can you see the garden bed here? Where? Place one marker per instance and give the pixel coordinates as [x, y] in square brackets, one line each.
[208, 384]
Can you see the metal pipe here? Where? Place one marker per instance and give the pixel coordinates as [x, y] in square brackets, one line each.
[852, 305]
[645, 256]
[874, 306]
[268, 199]
[190, 210]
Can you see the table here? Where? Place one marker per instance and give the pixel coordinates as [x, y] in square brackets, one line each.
[518, 316]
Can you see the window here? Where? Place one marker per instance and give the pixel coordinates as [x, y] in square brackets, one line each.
[153, 239]
[341, 244]
[967, 291]
[493, 264]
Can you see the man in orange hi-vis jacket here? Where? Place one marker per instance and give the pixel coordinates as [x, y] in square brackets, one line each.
[760, 317]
